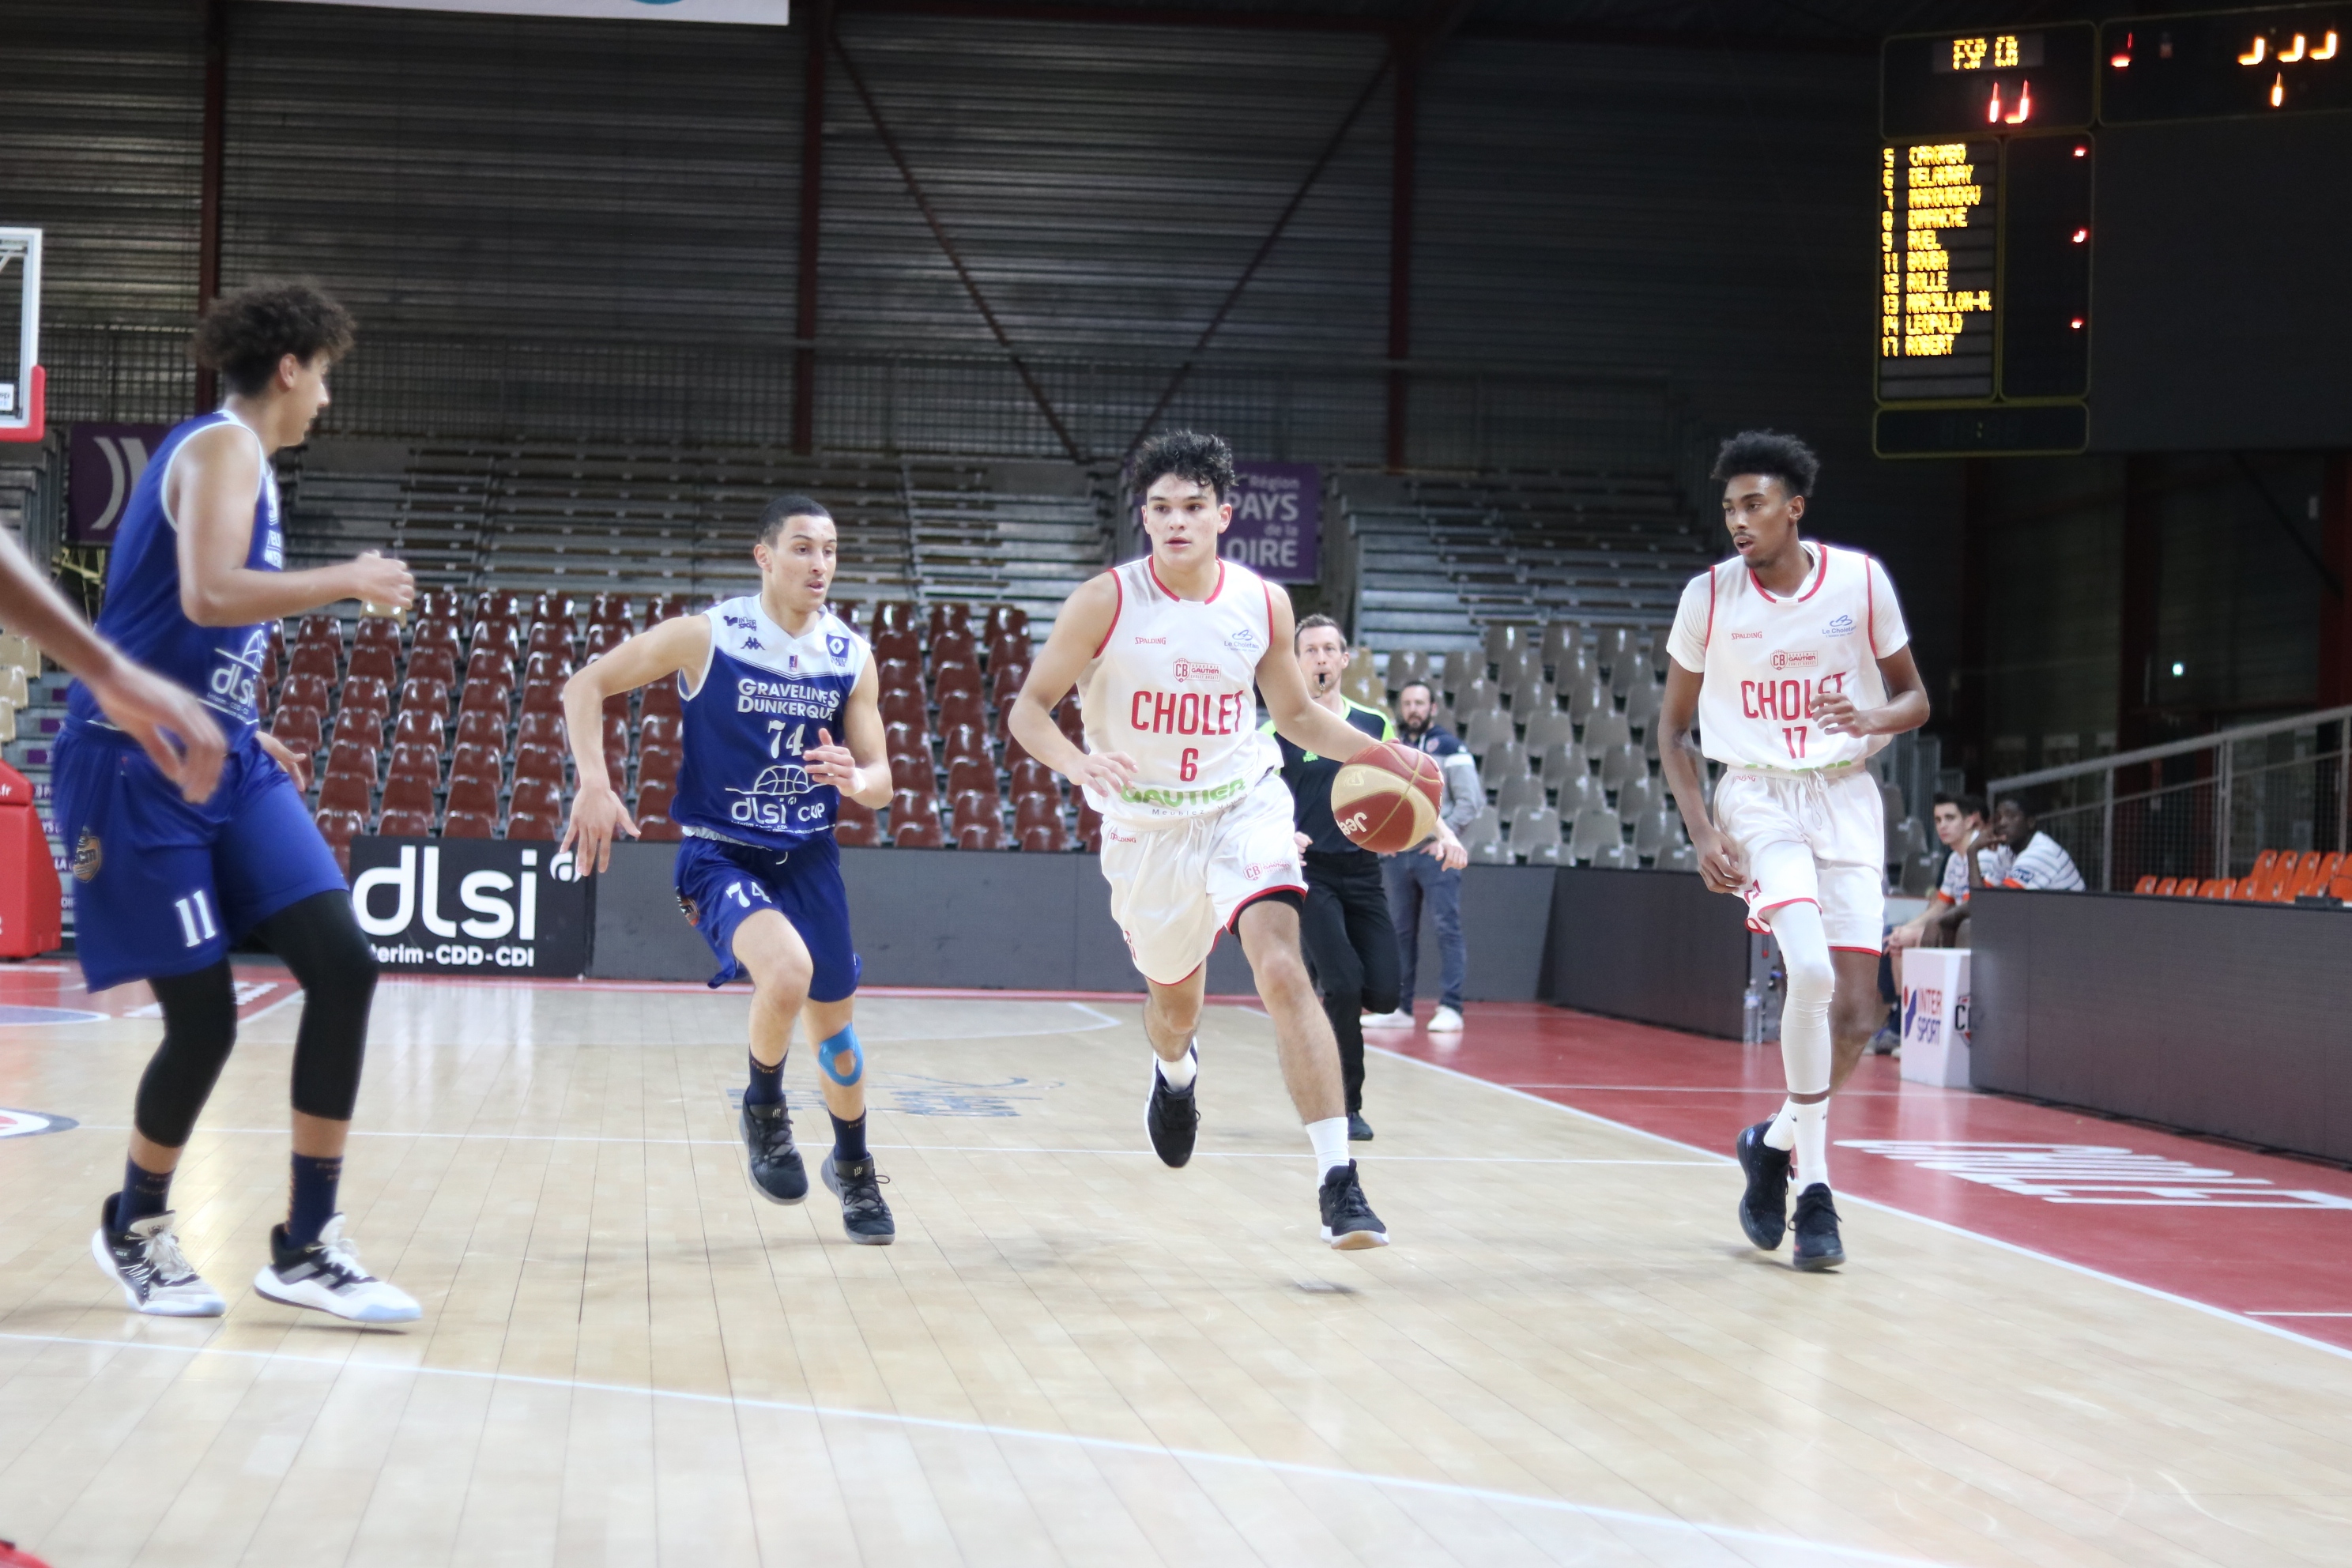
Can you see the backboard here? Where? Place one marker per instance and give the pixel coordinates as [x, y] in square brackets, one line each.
[23, 389]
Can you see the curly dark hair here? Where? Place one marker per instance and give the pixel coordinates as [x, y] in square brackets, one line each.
[1769, 452]
[1205, 460]
[245, 334]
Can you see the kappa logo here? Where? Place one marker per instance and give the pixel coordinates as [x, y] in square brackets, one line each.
[1803, 660]
[754, 645]
[1193, 670]
[1841, 628]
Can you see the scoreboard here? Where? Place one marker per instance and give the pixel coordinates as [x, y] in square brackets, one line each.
[1988, 210]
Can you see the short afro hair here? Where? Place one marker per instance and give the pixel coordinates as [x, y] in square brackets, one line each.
[1769, 452]
[783, 510]
[1205, 460]
[244, 335]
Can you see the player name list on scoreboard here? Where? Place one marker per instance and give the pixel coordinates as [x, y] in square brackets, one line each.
[1939, 205]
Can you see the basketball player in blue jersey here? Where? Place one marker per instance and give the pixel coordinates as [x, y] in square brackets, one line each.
[782, 720]
[165, 884]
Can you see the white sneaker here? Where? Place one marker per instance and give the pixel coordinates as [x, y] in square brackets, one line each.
[1400, 1019]
[327, 1276]
[155, 1274]
[1445, 1020]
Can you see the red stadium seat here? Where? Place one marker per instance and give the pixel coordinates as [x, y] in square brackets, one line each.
[914, 821]
[492, 604]
[1031, 809]
[662, 696]
[552, 667]
[553, 638]
[1001, 618]
[616, 705]
[898, 648]
[1067, 720]
[966, 741]
[321, 629]
[347, 791]
[303, 690]
[483, 727]
[440, 604]
[616, 745]
[950, 615]
[2144, 885]
[298, 730]
[374, 659]
[2187, 888]
[405, 823]
[2248, 888]
[470, 761]
[339, 828]
[658, 829]
[892, 615]
[902, 705]
[604, 638]
[415, 760]
[355, 755]
[857, 827]
[957, 645]
[1031, 776]
[367, 694]
[542, 730]
[659, 762]
[1044, 837]
[2340, 888]
[436, 632]
[2216, 888]
[1004, 682]
[553, 607]
[659, 729]
[970, 774]
[542, 697]
[434, 664]
[460, 824]
[535, 810]
[963, 708]
[504, 637]
[653, 796]
[955, 675]
[408, 793]
[907, 800]
[612, 609]
[1089, 825]
[541, 763]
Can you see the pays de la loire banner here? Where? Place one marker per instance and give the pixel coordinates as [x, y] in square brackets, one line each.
[756, 13]
[470, 906]
[1277, 526]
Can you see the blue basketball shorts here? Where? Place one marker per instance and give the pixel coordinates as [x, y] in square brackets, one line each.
[721, 885]
[162, 887]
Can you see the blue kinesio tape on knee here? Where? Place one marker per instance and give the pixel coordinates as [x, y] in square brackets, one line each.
[840, 1057]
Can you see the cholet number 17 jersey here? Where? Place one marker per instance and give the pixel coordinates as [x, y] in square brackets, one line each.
[1174, 686]
[758, 706]
[1764, 656]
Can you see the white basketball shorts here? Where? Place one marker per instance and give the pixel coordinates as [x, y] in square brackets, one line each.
[1174, 887]
[1818, 838]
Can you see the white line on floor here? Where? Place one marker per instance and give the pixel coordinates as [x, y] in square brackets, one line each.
[2082, 1268]
[1187, 1457]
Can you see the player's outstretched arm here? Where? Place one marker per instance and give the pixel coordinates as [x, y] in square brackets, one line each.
[167, 720]
[678, 647]
[1721, 863]
[860, 769]
[211, 506]
[1078, 633]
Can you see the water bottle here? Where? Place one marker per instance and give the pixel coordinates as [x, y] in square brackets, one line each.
[1752, 1016]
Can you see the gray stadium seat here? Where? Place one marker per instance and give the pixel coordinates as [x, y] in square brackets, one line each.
[1892, 796]
[1578, 791]
[1519, 670]
[1521, 790]
[1659, 657]
[1642, 703]
[1597, 831]
[1919, 874]
[1654, 831]
[1534, 699]
[1904, 839]
[1615, 645]
[1485, 827]
[1500, 761]
[1476, 692]
[1588, 698]
[1641, 795]
[1621, 764]
[1680, 858]
[1482, 727]
[1407, 668]
[1462, 667]
[1548, 728]
[1605, 729]
[1504, 640]
[1533, 827]
[1563, 644]
[1561, 761]
[1492, 852]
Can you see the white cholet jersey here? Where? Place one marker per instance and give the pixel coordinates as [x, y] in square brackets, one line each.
[1764, 656]
[1171, 685]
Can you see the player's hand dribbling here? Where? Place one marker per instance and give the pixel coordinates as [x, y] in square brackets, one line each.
[1722, 864]
[378, 579]
[297, 766]
[597, 818]
[156, 713]
[1108, 774]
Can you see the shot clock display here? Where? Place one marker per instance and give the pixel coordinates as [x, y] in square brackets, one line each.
[2283, 61]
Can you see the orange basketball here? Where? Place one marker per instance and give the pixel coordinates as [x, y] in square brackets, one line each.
[1385, 798]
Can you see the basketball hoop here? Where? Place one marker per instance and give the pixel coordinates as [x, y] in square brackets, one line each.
[23, 384]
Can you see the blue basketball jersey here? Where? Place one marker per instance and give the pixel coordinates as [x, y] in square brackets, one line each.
[758, 708]
[222, 665]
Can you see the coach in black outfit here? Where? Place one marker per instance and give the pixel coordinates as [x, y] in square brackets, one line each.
[1347, 931]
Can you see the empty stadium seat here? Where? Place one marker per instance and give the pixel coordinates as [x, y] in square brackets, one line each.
[1486, 727]
[1621, 764]
[472, 759]
[662, 696]
[950, 615]
[955, 675]
[1612, 646]
[1596, 832]
[374, 659]
[1090, 826]
[1644, 793]
[1605, 731]
[1503, 639]
[304, 690]
[1535, 835]
[2187, 888]
[552, 638]
[1404, 668]
[346, 791]
[964, 741]
[979, 821]
[655, 795]
[1579, 792]
[1587, 698]
[465, 823]
[355, 755]
[535, 810]
[1645, 702]
[665, 607]
[1655, 830]
[2164, 889]
[857, 826]
[963, 708]
[1462, 667]
[1521, 790]
[1547, 728]
[914, 821]
[1500, 761]
[434, 664]
[542, 764]
[483, 727]
[970, 774]
[955, 647]
[298, 730]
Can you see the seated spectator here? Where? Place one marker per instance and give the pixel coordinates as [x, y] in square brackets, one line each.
[2036, 860]
[1959, 818]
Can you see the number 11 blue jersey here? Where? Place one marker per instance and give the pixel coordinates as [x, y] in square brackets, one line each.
[756, 710]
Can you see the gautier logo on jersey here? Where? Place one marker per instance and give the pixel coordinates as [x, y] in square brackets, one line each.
[1804, 658]
[1193, 670]
[470, 907]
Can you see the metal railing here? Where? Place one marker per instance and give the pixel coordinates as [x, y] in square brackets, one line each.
[888, 399]
[2202, 808]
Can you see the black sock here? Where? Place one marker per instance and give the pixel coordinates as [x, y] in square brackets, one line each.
[144, 1193]
[313, 1202]
[767, 1085]
[849, 1140]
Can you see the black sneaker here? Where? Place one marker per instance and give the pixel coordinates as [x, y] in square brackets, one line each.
[147, 1262]
[1764, 1207]
[1348, 1222]
[1818, 1246]
[1358, 1130]
[776, 1168]
[1171, 1116]
[864, 1214]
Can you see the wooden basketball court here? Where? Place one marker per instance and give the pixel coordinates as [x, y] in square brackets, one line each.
[1072, 1354]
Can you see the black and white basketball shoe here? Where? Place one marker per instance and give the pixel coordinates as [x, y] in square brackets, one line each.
[864, 1214]
[1764, 1207]
[327, 1277]
[1171, 1116]
[776, 1168]
[145, 1259]
[1348, 1222]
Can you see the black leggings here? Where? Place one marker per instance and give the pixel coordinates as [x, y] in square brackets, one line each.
[319, 940]
[1351, 942]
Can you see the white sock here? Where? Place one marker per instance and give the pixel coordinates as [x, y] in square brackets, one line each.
[1329, 1137]
[1813, 1145]
[1179, 1074]
[1783, 1133]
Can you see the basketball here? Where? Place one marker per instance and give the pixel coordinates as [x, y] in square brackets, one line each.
[1385, 798]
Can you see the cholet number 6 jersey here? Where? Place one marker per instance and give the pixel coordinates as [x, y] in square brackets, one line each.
[1171, 685]
[1763, 657]
[760, 701]
[222, 665]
